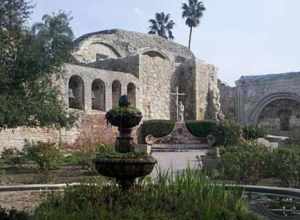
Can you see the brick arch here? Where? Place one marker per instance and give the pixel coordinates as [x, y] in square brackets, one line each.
[264, 102]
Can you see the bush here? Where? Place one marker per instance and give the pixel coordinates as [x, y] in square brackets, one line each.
[45, 155]
[13, 214]
[156, 128]
[284, 164]
[187, 196]
[85, 155]
[202, 128]
[230, 133]
[245, 163]
[12, 157]
[253, 132]
[226, 133]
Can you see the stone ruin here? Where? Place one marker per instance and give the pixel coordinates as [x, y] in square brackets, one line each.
[112, 63]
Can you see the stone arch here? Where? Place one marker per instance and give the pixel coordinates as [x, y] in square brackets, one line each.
[116, 92]
[131, 93]
[76, 92]
[98, 95]
[153, 52]
[261, 105]
[110, 49]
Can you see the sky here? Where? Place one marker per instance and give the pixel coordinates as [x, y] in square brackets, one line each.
[240, 37]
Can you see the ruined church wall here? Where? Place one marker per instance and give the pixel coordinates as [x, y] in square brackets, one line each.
[91, 126]
[250, 91]
[227, 100]
[155, 76]
[127, 64]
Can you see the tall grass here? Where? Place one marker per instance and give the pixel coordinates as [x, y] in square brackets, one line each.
[185, 196]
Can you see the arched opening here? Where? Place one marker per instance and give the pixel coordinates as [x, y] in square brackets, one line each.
[76, 92]
[116, 93]
[131, 93]
[98, 95]
[284, 117]
[280, 116]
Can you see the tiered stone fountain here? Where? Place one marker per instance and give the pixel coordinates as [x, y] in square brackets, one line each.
[125, 165]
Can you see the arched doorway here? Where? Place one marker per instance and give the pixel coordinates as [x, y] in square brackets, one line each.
[98, 95]
[280, 116]
[116, 93]
[76, 93]
[131, 93]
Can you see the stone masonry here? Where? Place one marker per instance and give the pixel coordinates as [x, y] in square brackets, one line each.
[112, 63]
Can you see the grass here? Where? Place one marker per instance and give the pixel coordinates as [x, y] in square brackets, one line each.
[170, 196]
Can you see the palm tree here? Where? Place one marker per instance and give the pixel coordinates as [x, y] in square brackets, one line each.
[162, 25]
[193, 12]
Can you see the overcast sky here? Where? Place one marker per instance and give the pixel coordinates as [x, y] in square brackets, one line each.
[241, 37]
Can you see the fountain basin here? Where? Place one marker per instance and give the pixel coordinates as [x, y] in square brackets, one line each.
[125, 168]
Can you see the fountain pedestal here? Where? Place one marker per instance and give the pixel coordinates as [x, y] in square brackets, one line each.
[125, 165]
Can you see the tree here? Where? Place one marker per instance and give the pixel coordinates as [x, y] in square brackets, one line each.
[192, 12]
[162, 25]
[30, 62]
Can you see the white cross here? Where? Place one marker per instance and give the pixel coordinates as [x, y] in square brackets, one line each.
[177, 94]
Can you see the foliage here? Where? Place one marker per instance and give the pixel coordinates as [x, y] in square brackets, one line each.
[192, 12]
[162, 25]
[253, 132]
[189, 195]
[123, 116]
[12, 157]
[249, 163]
[230, 134]
[31, 59]
[85, 155]
[202, 128]
[245, 163]
[285, 165]
[13, 214]
[45, 155]
[226, 133]
[156, 128]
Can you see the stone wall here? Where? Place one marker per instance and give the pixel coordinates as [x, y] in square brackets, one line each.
[89, 75]
[90, 129]
[257, 97]
[227, 100]
[121, 43]
[128, 64]
[155, 77]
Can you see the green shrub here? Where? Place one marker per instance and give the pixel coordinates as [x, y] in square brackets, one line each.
[230, 133]
[156, 128]
[187, 196]
[13, 214]
[245, 163]
[202, 128]
[253, 132]
[226, 133]
[45, 155]
[12, 157]
[284, 164]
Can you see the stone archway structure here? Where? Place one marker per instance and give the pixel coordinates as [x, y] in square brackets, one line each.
[264, 102]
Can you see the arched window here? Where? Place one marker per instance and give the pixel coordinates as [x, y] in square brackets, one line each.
[76, 93]
[131, 93]
[116, 93]
[98, 95]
